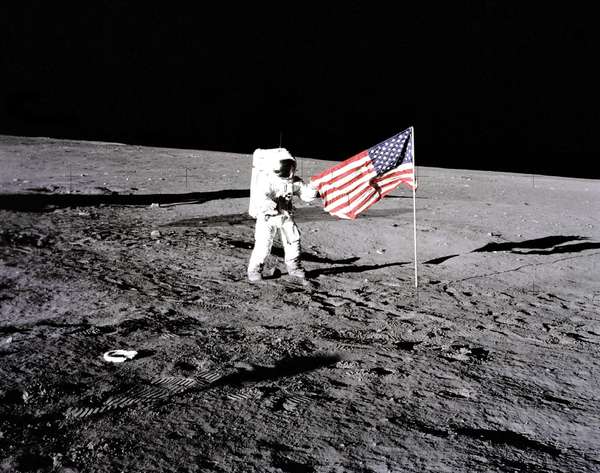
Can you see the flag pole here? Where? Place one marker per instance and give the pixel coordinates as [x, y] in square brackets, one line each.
[412, 142]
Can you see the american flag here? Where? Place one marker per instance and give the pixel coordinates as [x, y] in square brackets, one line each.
[355, 184]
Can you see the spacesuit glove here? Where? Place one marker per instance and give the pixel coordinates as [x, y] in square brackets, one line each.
[308, 192]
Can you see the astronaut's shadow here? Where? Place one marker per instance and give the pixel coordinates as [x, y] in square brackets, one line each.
[278, 252]
[313, 273]
[282, 369]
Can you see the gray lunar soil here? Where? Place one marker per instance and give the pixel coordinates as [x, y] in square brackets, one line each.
[491, 366]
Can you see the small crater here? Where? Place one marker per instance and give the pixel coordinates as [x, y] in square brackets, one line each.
[379, 371]
[551, 398]
[407, 345]
[466, 353]
[290, 466]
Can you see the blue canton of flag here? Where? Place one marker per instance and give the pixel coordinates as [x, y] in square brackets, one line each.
[386, 155]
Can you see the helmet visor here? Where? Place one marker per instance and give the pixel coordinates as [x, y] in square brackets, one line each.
[286, 169]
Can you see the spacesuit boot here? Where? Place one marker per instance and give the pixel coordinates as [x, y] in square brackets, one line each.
[255, 274]
[295, 269]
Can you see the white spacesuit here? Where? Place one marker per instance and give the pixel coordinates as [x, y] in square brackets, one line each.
[273, 186]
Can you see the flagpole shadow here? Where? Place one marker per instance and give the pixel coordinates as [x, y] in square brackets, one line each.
[550, 245]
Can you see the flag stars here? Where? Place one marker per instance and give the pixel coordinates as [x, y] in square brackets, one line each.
[387, 155]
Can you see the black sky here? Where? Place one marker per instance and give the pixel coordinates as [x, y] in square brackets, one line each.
[487, 85]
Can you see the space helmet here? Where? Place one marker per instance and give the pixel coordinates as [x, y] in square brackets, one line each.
[278, 161]
[286, 168]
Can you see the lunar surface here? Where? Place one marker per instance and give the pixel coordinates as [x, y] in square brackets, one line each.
[131, 340]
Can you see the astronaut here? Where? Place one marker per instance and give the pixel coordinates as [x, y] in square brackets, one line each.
[274, 184]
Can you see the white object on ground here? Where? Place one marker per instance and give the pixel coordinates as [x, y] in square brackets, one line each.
[119, 356]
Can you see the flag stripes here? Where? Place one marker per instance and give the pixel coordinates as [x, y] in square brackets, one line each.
[354, 185]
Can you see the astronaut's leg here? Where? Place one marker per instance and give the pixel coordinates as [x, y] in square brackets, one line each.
[263, 240]
[290, 237]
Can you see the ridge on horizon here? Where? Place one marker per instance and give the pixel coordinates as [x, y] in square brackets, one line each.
[553, 167]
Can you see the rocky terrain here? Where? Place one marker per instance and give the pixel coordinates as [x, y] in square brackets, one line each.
[491, 365]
